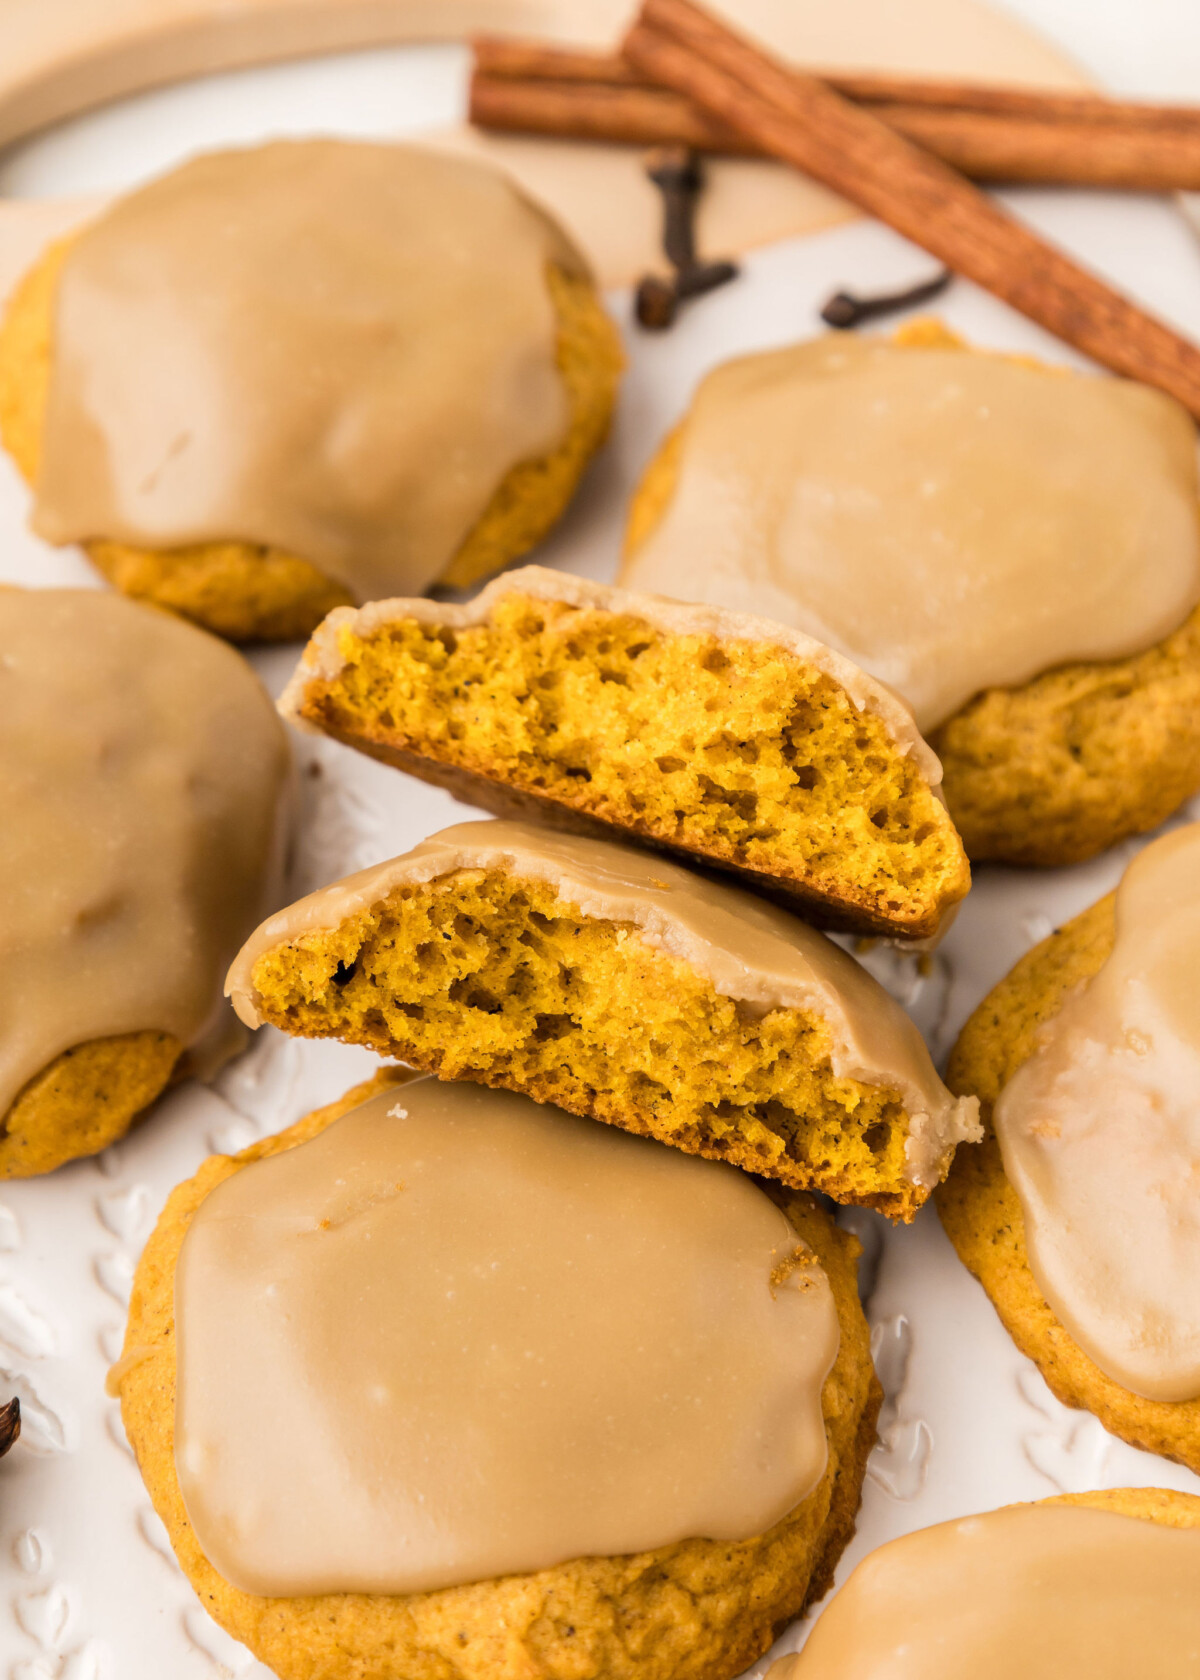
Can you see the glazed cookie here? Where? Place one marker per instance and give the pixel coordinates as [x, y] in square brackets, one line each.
[1077, 1213]
[1101, 1584]
[533, 1581]
[1014, 548]
[728, 739]
[136, 851]
[618, 986]
[163, 426]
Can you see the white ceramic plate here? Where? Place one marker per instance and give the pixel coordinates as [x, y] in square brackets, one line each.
[88, 1586]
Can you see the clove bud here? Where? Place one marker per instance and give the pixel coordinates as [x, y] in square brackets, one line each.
[676, 172]
[845, 310]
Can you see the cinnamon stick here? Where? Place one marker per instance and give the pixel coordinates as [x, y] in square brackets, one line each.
[996, 147]
[984, 146]
[797, 118]
[990, 134]
[579, 110]
[501, 56]
[1046, 104]
[533, 61]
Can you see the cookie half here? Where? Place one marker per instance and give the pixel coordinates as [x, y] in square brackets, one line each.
[696, 1610]
[726, 739]
[623, 988]
[982, 1214]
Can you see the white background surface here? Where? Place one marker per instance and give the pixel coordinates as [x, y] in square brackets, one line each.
[88, 1588]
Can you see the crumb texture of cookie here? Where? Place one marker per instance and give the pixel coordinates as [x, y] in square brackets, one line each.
[697, 1610]
[249, 578]
[136, 851]
[684, 731]
[980, 1209]
[1095, 1583]
[492, 971]
[1051, 765]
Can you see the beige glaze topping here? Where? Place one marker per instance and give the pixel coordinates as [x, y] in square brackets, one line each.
[1100, 1133]
[142, 768]
[1034, 1592]
[460, 1335]
[949, 521]
[746, 949]
[336, 348]
[323, 658]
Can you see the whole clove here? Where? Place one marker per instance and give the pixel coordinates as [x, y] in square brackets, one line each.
[677, 173]
[10, 1424]
[845, 310]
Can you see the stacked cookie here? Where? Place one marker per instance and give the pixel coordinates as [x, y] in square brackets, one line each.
[617, 986]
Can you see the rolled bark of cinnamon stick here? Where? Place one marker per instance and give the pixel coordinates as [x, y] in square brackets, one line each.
[991, 146]
[989, 133]
[627, 114]
[795, 117]
[983, 145]
[532, 61]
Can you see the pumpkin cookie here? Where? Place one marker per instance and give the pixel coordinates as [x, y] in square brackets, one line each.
[623, 988]
[690, 1609]
[1077, 1212]
[978, 531]
[1101, 1584]
[727, 739]
[136, 852]
[162, 425]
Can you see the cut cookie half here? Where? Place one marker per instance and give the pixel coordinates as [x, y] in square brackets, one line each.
[625, 989]
[732, 740]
